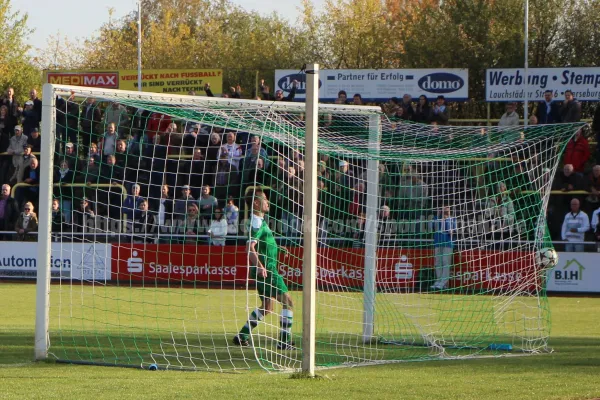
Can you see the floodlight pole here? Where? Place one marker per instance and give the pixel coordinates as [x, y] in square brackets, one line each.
[139, 44]
[525, 70]
[309, 269]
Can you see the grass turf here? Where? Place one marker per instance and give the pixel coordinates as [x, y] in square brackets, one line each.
[573, 371]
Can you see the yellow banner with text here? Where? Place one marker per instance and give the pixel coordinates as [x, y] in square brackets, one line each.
[172, 81]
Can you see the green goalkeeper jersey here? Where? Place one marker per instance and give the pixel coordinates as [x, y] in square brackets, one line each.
[266, 246]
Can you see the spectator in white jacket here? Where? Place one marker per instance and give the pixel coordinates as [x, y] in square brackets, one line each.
[218, 228]
[574, 227]
[510, 117]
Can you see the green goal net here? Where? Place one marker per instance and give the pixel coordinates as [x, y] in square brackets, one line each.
[177, 234]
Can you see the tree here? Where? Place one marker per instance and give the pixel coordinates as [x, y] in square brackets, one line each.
[16, 67]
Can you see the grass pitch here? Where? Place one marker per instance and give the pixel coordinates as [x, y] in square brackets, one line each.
[571, 372]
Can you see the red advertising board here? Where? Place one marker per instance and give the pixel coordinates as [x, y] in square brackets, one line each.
[336, 268]
[212, 264]
[500, 270]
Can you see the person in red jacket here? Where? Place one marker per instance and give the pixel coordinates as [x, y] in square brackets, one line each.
[577, 152]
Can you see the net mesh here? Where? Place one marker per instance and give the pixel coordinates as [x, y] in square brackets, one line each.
[157, 205]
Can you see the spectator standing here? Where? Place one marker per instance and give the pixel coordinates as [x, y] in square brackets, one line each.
[16, 145]
[190, 228]
[357, 100]
[593, 186]
[164, 211]
[5, 130]
[57, 218]
[116, 114]
[27, 222]
[9, 211]
[567, 180]
[144, 223]
[91, 116]
[132, 202]
[596, 130]
[575, 225]
[423, 111]
[232, 149]
[22, 164]
[13, 107]
[441, 113]
[577, 152]
[408, 110]
[510, 117]
[109, 141]
[64, 176]
[444, 235]
[548, 111]
[37, 105]
[265, 93]
[181, 204]
[207, 202]
[35, 140]
[84, 217]
[232, 213]
[218, 228]
[595, 227]
[31, 176]
[571, 109]
[29, 118]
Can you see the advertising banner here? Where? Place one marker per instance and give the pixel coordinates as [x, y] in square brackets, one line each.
[489, 270]
[173, 81]
[228, 264]
[80, 261]
[379, 85]
[575, 272]
[509, 84]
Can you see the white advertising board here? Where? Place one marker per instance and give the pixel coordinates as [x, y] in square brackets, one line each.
[575, 272]
[380, 84]
[79, 261]
[509, 84]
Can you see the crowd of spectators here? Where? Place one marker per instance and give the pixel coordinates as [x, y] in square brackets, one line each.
[149, 177]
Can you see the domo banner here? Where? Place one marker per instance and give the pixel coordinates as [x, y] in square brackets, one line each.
[380, 84]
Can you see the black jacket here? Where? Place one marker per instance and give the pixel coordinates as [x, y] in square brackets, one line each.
[570, 111]
[11, 213]
[544, 117]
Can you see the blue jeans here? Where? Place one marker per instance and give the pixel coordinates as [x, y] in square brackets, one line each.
[574, 247]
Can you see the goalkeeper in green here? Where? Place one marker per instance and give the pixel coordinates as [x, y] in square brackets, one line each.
[263, 258]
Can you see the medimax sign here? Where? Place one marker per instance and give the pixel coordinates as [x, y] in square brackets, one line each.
[377, 85]
[174, 81]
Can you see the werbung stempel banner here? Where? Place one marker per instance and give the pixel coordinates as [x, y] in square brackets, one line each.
[509, 84]
[172, 81]
[380, 84]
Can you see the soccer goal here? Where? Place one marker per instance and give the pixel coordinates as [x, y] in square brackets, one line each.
[172, 231]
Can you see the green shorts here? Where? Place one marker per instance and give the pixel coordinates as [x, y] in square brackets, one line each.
[271, 286]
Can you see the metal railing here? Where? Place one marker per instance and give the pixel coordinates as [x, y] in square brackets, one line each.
[74, 185]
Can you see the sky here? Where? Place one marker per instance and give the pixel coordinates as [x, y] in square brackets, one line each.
[81, 18]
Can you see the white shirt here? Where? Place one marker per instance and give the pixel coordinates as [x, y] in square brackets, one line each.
[234, 153]
[218, 228]
[595, 219]
[579, 221]
[161, 212]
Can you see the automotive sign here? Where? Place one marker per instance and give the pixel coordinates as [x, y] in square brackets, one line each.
[380, 84]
